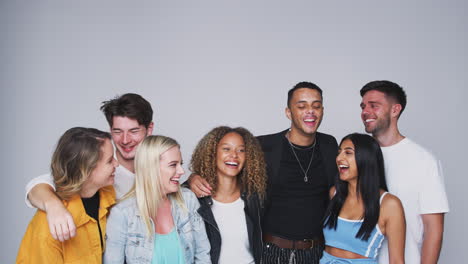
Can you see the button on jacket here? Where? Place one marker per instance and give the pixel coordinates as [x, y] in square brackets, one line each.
[128, 240]
[38, 246]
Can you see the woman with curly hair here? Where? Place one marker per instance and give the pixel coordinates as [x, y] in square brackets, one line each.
[231, 161]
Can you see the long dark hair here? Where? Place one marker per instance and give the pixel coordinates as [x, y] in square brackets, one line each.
[371, 178]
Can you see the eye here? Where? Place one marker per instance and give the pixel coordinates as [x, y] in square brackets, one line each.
[241, 150]
[349, 152]
[226, 149]
[317, 106]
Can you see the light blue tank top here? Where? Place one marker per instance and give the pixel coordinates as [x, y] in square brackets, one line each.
[344, 237]
[167, 249]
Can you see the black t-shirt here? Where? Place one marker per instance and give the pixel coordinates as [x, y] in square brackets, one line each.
[91, 206]
[297, 207]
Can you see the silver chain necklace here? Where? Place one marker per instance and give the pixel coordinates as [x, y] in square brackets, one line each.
[306, 179]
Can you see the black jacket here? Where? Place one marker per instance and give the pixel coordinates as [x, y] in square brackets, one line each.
[272, 146]
[252, 218]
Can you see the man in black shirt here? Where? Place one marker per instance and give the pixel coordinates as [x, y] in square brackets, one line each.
[300, 168]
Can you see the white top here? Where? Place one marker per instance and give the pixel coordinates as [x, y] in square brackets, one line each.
[124, 180]
[232, 225]
[415, 176]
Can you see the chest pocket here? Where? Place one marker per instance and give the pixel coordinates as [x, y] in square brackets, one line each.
[138, 248]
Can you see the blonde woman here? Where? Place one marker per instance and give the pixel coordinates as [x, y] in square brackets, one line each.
[231, 161]
[83, 168]
[157, 221]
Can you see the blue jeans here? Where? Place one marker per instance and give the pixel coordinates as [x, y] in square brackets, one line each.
[329, 259]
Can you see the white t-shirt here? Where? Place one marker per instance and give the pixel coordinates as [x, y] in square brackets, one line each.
[124, 180]
[415, 176]
[232, 225]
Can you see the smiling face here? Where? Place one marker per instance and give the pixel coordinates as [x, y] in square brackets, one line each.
[171, 170]
[346, 161]
[127, 134]
[230, 155]
[305, 111]
[103, 174]
[376, 112]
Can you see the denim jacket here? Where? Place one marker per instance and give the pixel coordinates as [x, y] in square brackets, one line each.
[127, 239]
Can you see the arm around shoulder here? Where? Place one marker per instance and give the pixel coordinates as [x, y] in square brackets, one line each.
[42, 195]
[395, 228]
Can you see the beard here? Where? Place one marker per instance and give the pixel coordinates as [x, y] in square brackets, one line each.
[381, 124]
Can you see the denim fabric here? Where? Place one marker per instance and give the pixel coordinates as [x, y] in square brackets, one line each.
[127, 238]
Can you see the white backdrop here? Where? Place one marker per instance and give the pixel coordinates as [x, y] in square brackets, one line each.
[206, 63]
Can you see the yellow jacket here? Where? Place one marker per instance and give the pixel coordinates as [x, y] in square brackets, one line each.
[38, 246]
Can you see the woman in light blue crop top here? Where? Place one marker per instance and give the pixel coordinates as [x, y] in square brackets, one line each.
[157, 221]
[361, 214]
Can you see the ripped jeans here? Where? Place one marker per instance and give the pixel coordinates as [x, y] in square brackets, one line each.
[272, 254]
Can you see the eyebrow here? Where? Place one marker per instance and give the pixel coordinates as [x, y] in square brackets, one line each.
[131, 129]
[304, 101]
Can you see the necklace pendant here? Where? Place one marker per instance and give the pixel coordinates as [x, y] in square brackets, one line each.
[306, 179]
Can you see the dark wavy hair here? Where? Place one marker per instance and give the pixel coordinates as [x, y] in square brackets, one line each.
[129, 105]
[252, 177]
[371, 178]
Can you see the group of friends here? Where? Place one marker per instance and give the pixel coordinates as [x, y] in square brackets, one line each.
[291, 197]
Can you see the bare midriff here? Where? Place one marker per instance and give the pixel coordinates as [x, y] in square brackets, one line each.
[341, 253]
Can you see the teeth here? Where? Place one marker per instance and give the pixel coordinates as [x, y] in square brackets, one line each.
[369, 120]
[231, 163]
[309, 120]
[343, 166]
[176, 180]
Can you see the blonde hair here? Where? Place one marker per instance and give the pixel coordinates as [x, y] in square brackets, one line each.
[75, 157]
[252, 177]
[148, 189]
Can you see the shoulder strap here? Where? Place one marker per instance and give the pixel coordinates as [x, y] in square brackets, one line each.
[382, 196]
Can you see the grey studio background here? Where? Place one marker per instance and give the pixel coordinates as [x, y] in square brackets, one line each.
[207, 63]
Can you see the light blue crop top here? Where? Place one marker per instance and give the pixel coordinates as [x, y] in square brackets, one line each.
[344, 237]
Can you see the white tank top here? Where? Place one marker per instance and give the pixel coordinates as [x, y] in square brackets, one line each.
[232, 225]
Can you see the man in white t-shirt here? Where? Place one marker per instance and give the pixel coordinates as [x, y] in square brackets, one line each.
[412, 173]
[130, 119]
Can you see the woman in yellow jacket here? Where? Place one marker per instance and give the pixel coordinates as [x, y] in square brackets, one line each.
[83, 168]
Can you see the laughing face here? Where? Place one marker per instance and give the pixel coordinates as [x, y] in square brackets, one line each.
[346, 161]
[103, 174]
[305, 111]
[171, 170]
[376, 112]
[127, 134]
[230, 155]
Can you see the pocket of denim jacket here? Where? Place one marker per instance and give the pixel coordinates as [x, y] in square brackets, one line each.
[138, 248]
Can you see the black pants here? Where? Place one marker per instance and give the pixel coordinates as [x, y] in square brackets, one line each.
[272, 254]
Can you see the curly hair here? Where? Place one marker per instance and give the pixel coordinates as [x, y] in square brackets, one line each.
[253, 175]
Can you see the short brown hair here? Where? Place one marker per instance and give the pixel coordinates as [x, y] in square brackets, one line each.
[129, 105]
